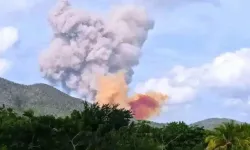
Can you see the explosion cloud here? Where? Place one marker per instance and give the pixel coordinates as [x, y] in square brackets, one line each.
[147, 105]
[88, 52]
[112, 89]
[85, 44]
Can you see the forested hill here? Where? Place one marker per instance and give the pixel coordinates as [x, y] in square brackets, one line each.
[45, 99]
[209, 123]
[213, 122]
[42, 98]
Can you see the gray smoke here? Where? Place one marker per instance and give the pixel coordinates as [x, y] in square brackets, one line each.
[85, 45]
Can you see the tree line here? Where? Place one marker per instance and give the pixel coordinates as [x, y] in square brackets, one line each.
[110, 128]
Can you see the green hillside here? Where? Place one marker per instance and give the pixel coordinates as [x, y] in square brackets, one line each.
[45, 99]
[209, 123]
[42, 98]
[212, 122]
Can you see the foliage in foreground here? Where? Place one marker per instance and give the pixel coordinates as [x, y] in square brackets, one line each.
[109, 128]
[229, 136]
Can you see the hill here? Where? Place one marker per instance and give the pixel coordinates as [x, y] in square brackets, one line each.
[212, 122]
[209, 123]
[42, 98]
[45, 99]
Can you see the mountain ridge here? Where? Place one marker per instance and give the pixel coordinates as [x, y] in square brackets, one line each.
[45, 99]
[42, 98]
[211, 123]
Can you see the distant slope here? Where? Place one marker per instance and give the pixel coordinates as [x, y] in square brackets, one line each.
[157, 125]
[45, 99]
[212, 122]
[42, 98]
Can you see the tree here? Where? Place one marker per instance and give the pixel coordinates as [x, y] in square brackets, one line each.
[109, 128]
[229, 136]
[178, 135]
[86, 129]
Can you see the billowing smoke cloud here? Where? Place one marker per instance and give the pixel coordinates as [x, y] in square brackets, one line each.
[112, 89]
[147, 105]
[85, 44]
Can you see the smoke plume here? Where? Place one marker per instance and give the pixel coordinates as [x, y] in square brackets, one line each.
[147, 105]
[112, 89]
[85, 44]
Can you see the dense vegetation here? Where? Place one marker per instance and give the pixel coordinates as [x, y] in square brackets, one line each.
[109, 128]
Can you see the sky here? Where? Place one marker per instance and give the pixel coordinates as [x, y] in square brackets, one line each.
[198, 53]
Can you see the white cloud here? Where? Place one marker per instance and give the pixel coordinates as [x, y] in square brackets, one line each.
[8, 37]
[7, 6]
[227, 75]
[166, 3]
[4, 66]
[177, 93]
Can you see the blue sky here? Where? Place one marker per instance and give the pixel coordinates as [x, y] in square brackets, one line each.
[189, 36]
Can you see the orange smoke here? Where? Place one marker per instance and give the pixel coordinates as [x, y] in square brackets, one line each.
[112, 89]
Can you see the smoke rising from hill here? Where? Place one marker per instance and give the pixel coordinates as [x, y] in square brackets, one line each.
[93, 56]
[85, 44]
[113, 89]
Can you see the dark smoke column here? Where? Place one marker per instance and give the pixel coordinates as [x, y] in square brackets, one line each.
[85, 45]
